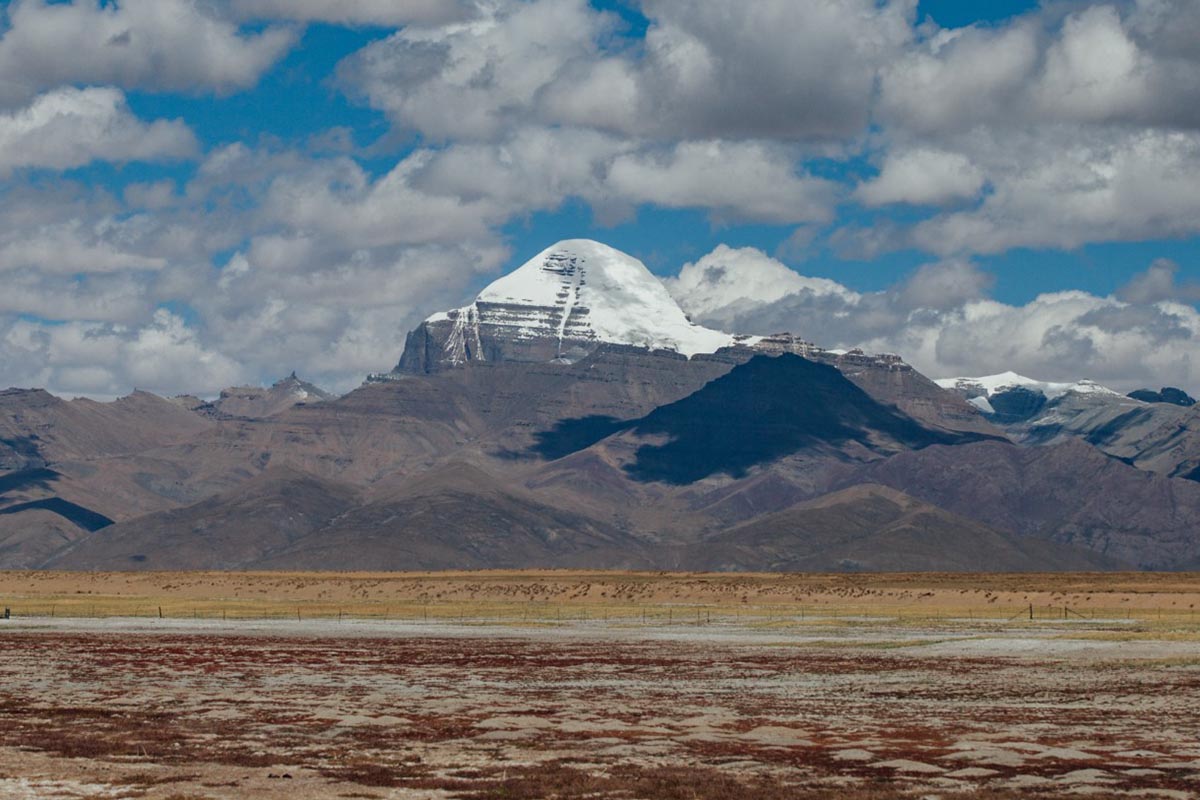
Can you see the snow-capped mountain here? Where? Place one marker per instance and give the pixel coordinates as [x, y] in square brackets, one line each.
[560, 305]
[980, 391]
[1156, 436]
[584, 290]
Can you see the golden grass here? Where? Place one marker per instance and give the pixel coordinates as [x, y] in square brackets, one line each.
[1131, 602]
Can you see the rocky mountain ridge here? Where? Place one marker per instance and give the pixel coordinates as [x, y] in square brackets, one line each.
[1143, 428]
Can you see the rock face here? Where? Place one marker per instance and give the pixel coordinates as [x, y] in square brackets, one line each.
[1168, 394]
[256, 402]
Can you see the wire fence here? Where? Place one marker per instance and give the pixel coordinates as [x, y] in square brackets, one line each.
[648, 615]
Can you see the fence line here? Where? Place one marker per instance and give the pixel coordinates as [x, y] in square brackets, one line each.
[646, 615]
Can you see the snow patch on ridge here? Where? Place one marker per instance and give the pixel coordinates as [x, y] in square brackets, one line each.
[988, 385]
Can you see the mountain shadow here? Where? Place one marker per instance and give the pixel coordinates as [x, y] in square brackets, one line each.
[572, 435]
[39, 478]
[760, 411]
[83, 517]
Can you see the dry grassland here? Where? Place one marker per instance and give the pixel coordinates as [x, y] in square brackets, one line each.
[1172, 599]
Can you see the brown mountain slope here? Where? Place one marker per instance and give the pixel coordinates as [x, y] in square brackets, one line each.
[453, 517]
[460, 517]
[29, 537]
[1069, 493]
[81, 450]
[37, 428]
[875, 528]
[232, 530]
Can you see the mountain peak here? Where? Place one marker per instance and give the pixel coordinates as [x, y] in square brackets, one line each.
[587, 290]
[560, 305]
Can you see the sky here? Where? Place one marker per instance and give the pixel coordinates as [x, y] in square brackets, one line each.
[196, 194]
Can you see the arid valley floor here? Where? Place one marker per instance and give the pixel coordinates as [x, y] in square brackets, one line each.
[622, 685]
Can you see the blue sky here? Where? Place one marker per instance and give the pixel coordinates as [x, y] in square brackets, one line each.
[301, 185]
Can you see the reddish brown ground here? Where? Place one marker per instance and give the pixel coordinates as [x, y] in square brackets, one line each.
[444, 711]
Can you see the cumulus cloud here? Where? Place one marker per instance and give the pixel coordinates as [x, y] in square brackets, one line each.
[328, 286]
[739, 180]
[474, 80]
[731, 280]
[1158, 284]
[358, 12]
[1080, 123]
[72, 127]
[159, 45]
[942, 321]
[1053, 111]
[164, 355]
[339, 320]
[812, 68]
[1067, 186]
[922, 177]
[1096, 64]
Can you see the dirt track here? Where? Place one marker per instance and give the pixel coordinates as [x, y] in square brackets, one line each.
[183, 709]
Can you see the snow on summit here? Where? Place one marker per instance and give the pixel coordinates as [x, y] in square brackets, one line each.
[582, 289]
[989, 385]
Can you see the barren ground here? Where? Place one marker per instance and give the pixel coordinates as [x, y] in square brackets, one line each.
[731, 688]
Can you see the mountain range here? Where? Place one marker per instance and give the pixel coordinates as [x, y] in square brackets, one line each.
[574, 416]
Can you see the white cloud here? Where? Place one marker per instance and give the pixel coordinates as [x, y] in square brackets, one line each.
[72, 127]
[740, 180]
[775, 68]
[1158, 284]
[329, 286]
[731, 279]
[121, 297]
[538, 168]
[357, 12]
[959, 77]
[1095, 70]
[334, 318]
[69, 248]
[474, 80]
[922, 177]
[783, 70]
[1067, 186]
[150, 195]
[161, 45]
[163, 355]
[1131, 63]
[337, 201]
